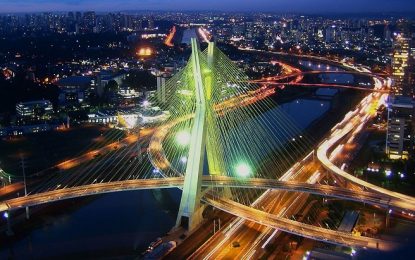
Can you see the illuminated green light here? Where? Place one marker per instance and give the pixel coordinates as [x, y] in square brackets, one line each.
[185, 92]
[183, 138]
[243, 170]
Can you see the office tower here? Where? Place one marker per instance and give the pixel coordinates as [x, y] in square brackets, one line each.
[400, 65]
[400, 133]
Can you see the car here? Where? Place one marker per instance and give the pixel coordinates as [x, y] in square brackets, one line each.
[235, 244]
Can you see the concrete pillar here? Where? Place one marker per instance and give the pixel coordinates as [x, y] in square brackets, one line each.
[190, 211]
[213, 147]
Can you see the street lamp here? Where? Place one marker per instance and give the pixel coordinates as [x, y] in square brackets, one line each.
[146, 104]
[243, 170]
[9, 230]
[183, 138]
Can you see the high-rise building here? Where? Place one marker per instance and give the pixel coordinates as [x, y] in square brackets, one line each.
[116, 22]
[137, 24]
[78, 17]
[412, 67]
[89, 21]
[71, 16]
[400, 65]
[71, 23]
[400, 133]
[128, 23]
[330, 34]
[151, 23]
[36, 110]
[161, 89]
[387, 33]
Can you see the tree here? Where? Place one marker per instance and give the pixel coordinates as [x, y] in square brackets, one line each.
[139, 80]
[112, 86]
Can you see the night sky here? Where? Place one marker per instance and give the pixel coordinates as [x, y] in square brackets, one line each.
[304, 6]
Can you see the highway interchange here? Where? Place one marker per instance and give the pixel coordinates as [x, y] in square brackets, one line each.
[270, 220]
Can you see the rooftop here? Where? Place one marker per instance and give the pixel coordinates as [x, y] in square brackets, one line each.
[75, 81]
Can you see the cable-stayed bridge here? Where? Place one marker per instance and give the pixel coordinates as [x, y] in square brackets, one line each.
[223, 145]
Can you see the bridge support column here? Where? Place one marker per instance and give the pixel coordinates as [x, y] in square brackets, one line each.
[190, 211]
[214, 151]
[27, 213]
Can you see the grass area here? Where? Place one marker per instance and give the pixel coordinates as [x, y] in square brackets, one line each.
[44, 150]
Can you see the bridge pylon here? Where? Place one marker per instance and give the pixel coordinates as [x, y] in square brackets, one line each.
[190, 211]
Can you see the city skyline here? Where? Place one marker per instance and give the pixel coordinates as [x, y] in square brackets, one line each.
[298, 6]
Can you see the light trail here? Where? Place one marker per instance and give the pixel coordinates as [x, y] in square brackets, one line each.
[315, 72]
[170, 36]
[297, 228]
[267, 80]
[204, 34]
[208, 181]
[354, 122]
[319, 85]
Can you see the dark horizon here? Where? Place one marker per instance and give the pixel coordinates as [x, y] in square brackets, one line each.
[272, 6]
[398, 14]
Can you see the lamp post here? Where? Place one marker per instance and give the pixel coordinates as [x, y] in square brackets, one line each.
[9, 230]
[243, 170]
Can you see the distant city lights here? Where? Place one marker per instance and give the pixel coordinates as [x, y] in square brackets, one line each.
[145, 52]
[146, 103]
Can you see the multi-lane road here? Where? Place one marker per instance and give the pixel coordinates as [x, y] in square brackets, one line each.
[248, 213]
[308, 187]
[255, 238]
[356, 120]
